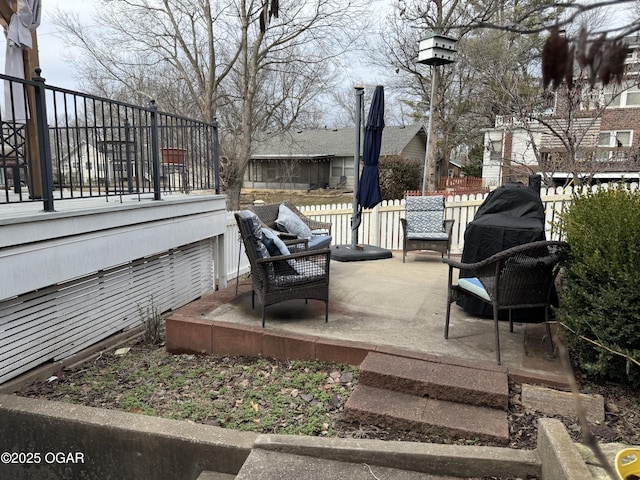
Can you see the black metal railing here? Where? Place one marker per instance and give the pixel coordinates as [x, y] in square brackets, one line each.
[59, 144]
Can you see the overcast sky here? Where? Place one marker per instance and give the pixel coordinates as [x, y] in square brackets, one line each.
[50, 48]
[53, 52]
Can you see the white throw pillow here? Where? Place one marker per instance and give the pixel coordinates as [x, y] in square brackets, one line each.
[292, 223]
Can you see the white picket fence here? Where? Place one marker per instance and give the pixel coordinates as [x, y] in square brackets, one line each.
[381, 225]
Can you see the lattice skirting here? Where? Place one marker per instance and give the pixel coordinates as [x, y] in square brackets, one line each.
[56, 322]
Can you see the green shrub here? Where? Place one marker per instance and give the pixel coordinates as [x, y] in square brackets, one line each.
[398, 175]
[601, 284]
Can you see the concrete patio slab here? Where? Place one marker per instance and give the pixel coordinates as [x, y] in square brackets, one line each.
[394, 304]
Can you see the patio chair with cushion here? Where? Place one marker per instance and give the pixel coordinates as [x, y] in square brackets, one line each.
[291, 223]
[519, 277]
[278, 275]
[424, 226]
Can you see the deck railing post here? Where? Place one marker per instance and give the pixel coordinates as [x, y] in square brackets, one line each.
[216, 156]
[127, 142]
[44, 147]
[155, 150]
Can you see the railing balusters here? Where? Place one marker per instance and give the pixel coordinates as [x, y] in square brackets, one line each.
[97, 147]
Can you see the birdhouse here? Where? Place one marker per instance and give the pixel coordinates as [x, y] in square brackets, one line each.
[437, 50]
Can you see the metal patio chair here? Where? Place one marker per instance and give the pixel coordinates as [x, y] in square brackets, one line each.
[519, 277]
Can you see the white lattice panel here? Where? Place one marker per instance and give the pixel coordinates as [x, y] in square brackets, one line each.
[59, 321]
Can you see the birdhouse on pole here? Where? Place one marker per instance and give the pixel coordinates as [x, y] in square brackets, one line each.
[437, 49]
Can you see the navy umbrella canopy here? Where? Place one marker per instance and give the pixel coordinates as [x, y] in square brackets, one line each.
[369, 194]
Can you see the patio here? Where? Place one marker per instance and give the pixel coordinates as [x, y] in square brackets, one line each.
[384, 303]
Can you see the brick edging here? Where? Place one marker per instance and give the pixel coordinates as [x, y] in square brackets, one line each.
[189, 334]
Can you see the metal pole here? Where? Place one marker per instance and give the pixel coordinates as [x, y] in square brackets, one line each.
[155, 156]
[429, 130]
[46, 168]
[216, 156]
[127, 141]
[355, 219]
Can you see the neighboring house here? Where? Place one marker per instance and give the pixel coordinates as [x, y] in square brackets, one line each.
[78, 164]
[509, 152]
[109, 162]
[609, 146]
[320, 158]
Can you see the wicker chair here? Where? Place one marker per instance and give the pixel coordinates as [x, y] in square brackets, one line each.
[275, 279]
[269, 213]
[519, 277]
[424, 227]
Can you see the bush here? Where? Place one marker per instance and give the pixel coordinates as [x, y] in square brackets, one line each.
[398, 175]
[601, 294]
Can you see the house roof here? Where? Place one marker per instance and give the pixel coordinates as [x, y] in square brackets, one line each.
[323, 142]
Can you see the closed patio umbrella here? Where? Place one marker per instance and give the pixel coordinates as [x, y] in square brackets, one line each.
[369, 194]
[366, 192]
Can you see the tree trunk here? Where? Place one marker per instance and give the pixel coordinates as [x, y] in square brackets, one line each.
[234, 188]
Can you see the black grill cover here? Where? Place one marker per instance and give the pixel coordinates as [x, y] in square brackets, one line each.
[510, 215]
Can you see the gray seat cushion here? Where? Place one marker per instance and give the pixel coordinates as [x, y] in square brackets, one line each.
[319, 241]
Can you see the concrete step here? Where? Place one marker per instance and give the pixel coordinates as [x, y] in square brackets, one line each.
[207, 475]
[397, 410]
[488, 386]
[270, 465]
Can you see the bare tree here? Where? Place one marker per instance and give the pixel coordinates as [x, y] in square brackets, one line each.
[257, 66]
[468, 94]
[498, 67]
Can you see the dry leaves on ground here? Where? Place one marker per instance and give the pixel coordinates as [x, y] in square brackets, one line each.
[270, 396]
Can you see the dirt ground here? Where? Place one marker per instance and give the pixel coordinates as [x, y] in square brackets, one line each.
[298, 197]
[269, 396]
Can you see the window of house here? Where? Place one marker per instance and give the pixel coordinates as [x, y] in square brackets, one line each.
[604, 139]
[612, 99]
[612, 140]
[633, 98]
[623, 139]
[342, 167]
[631, 55]
[627, 98]
[495, 147]
[615, 138]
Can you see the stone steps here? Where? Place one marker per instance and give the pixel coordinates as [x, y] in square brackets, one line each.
[431, 397]
[487, 387]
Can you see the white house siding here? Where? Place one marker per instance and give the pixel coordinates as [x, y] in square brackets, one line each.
[522, 148]
[492, 158]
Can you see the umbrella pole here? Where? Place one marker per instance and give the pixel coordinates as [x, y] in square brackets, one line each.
[355, 219]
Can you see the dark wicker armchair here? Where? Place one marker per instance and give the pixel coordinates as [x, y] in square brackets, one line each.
[519, 277]
[424, 226]
[278, 278]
